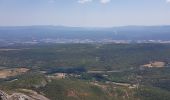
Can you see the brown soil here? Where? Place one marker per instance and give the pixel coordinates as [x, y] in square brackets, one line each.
[71, 93]
[157, 64]
[4, 73]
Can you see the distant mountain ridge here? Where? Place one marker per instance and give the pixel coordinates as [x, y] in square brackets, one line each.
[96, 33]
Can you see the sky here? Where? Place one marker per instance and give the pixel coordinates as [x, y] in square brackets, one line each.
[84, 13]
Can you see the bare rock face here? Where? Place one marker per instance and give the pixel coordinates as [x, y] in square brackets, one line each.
[20, 96]
[3, 95]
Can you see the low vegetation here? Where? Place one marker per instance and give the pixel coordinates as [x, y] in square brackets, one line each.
[88, 71]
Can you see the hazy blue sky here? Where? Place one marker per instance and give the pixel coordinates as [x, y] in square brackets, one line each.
[84, 12]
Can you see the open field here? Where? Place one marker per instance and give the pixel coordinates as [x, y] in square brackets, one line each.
[157, 64]
[4, 73]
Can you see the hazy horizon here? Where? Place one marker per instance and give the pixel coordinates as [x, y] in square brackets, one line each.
[85, 26]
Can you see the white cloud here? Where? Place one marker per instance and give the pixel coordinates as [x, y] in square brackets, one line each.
[101, 1]
[168, 1]
[104, 1]
[84, 1]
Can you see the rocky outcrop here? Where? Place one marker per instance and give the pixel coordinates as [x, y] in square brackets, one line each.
[21, 96]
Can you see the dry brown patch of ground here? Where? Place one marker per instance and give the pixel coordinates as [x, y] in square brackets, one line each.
[157, 64]
[71, 93]
[4, 73]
